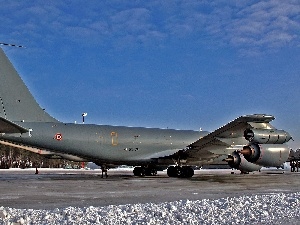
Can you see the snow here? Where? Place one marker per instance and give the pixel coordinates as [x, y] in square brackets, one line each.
[273, 208]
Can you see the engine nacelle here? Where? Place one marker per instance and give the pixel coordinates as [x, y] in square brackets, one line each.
[237, 161]
[266, 154]
[267, 136]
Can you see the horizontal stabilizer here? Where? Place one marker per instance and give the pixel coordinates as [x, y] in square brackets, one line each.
[10, 127]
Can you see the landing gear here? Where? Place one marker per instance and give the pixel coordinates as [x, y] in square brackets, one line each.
[180, 171]
[172, 171]
[138, 171]
[144, 171]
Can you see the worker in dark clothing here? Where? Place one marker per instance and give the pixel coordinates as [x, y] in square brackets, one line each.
[292, 164]
[104, 171]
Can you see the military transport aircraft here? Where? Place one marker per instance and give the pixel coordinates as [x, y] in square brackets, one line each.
[246, 143]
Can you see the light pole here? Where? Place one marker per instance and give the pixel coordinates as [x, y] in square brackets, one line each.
[83, 115]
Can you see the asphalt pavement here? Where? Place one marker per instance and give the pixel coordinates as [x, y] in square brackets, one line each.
[53, 188]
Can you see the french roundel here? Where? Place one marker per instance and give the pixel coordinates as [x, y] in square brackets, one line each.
[58, 136]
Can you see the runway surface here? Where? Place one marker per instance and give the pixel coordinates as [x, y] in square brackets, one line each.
[62, 188]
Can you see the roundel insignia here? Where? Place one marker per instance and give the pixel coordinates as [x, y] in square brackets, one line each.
[58, 136]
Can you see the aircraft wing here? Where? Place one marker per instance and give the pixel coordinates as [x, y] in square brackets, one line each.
[10, 127]
[224, 140]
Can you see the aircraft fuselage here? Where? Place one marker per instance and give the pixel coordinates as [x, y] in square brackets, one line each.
[119, 144]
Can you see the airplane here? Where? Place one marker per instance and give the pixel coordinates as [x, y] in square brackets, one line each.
[247, 143]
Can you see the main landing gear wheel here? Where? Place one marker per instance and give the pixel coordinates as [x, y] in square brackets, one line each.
[144, 171]
[180, 171]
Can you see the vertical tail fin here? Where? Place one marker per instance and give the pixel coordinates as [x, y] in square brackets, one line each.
[16, 102]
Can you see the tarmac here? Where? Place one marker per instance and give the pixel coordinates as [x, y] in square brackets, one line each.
[61, 188]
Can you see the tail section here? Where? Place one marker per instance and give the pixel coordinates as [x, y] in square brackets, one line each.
[16, 102]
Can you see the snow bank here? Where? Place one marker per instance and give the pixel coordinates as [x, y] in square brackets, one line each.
[256, 209]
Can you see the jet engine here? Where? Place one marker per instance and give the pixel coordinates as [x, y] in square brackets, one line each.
[266, 147]
[237, 161]
[267, 136]
[266, 154]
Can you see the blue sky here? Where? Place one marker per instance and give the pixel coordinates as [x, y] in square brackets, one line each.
[177, 64]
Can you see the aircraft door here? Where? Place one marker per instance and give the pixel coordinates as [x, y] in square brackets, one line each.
[114, 138]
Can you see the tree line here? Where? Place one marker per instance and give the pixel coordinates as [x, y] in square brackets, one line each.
[12, 157]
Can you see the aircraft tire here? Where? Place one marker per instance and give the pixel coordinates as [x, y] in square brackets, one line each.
[138, 171]
[187, 172]
[172, 171]
[182, 172]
